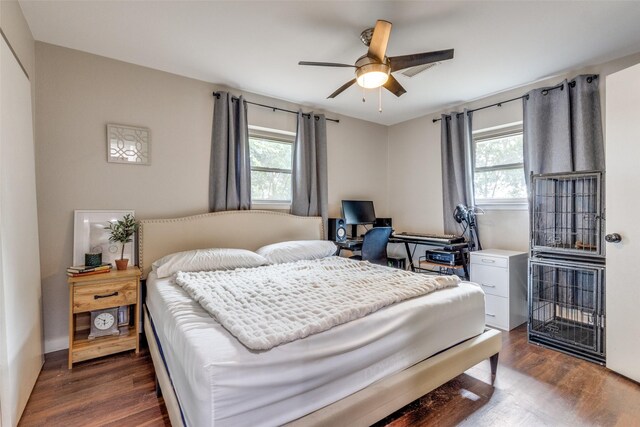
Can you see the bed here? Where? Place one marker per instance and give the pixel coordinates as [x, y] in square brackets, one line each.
[352, 374]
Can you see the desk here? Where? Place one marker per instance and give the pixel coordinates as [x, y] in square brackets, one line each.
[460, 247]
[356, 245]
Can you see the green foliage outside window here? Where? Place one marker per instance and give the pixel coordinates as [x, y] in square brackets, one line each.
[270, 169]
[499, 172]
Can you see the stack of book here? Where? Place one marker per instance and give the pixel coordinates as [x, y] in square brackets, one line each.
[83, 270]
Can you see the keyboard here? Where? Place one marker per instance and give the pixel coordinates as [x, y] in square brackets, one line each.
[427, 237]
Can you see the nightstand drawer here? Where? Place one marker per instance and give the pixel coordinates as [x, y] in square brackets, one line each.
[492, 280]
[104, 295]
[488, 260]
[496, 311]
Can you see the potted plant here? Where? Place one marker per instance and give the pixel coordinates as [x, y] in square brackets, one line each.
[121, 231]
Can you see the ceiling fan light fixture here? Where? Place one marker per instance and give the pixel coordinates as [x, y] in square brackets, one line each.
[371, 76]
[373, 69]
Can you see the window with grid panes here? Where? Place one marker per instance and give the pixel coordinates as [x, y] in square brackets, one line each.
[498, 167]
[271, 155]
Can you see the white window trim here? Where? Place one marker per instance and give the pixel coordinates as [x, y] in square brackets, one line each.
[271, 133]
[503, 204]
[513, 127]
[516, 204]
[286, 137]
[269, 205]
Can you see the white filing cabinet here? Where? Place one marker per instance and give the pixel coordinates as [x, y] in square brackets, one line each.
[503, 277]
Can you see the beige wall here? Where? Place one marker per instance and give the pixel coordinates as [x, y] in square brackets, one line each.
[357, 153]
[415, 177]
[77, 94]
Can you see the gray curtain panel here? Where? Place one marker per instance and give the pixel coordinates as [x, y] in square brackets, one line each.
[587, 139]
[457, 165]
[230, 169]
[563, 128]
[309, 172]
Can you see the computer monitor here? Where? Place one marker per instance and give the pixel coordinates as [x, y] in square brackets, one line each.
[358, 212]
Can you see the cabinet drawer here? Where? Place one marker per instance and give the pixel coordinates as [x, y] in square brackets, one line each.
[104, 295]
[496, 311]
[479, 259]
[492, 280]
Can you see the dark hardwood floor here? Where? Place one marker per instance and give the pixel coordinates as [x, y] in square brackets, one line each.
[534, 387]
[116, 390]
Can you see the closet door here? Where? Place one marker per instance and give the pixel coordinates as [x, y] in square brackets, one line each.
[623, 206]
[20, 293]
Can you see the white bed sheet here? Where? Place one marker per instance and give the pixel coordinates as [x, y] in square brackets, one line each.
[220, 382]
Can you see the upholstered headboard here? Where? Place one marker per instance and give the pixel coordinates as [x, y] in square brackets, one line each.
[250, 229]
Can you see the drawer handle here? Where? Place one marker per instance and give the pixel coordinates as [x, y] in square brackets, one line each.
[488, 261]
[491, 315]
[113, 294]
[487, 286]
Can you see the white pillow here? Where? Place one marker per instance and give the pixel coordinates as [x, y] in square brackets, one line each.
[207, 260]
[297, 250]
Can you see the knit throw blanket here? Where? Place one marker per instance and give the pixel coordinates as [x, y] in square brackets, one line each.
[271, 305]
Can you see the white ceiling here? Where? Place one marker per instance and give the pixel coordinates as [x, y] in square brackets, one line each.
[255, 46]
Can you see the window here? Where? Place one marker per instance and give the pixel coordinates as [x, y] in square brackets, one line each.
[271, 154]
[499, 170]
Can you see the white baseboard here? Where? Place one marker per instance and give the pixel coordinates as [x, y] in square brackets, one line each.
[55, 344]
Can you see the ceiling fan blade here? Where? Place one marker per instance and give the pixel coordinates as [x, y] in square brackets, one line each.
[342, 89]
[393, 86]
[325, 64]
[379, 40]
[406, 61]
[413, 71]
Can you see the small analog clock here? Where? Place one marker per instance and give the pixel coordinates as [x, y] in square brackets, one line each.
[104, 322]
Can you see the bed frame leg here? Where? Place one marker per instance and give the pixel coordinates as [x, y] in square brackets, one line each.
[158, 389]
[494, 366]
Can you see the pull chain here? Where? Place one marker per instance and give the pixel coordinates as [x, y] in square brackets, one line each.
[363, 93]
[380, 99]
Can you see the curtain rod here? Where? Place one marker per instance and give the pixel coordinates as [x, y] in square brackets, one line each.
[499, 104]
[235, 98]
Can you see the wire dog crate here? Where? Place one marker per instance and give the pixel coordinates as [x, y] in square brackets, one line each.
[566, 213]
[566, 267]
[566, 309]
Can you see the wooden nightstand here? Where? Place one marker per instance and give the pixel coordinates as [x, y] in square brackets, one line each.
[100, 291]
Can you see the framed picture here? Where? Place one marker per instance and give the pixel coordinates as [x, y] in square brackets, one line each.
[128, 144]
[89, 235]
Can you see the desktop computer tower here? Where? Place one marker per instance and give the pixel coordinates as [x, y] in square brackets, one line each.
[337, 230]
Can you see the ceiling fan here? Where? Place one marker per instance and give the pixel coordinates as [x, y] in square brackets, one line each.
[374, 68]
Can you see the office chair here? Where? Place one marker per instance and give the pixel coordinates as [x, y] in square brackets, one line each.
[374, 245]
